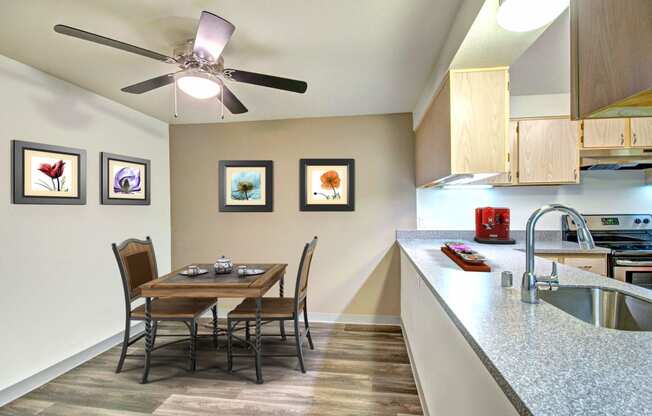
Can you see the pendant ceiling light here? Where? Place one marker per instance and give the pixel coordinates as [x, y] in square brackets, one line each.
[198, 84]
[526, 15]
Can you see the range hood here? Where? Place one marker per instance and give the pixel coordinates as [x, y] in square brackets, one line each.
[616, 159]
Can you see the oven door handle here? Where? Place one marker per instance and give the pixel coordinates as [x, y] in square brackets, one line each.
[632, 263]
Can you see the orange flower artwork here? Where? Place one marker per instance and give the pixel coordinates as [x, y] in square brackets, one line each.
[330, 180]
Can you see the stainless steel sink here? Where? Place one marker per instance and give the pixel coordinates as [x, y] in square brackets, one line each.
[604, 308]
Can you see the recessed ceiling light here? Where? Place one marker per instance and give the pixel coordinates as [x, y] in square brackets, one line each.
[526, 15]
[198, 85]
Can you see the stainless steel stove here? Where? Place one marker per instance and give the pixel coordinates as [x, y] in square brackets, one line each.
[630, 239]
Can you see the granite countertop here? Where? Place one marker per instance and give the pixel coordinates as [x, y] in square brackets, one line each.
[546, 361]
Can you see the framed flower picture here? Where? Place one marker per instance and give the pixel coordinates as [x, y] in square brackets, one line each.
[246, 185]
[327, 184]
[125, 180]
[48, 174]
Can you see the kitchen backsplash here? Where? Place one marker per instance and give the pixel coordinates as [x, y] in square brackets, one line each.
[599, 193]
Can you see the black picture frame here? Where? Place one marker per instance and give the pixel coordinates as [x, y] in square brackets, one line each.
[105, 198]
[18, 174]
[303, 201]
[269, 185]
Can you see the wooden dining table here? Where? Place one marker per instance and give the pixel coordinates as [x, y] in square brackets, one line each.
[212, 285]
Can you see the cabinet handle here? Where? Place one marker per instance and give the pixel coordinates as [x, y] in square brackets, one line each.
[586, 267]
[575, 173]
[622, 139]
[634, 138]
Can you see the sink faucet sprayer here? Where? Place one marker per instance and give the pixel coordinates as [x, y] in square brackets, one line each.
[529, 283]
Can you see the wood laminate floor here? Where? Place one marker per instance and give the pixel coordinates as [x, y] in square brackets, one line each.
[354, 370]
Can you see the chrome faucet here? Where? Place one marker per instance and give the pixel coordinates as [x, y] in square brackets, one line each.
[530, 282]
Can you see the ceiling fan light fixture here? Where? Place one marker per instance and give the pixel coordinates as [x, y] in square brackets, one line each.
[527, 15]
[199, 85]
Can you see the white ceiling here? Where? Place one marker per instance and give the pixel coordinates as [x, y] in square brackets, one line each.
[488, 45]
[358, 57]
[545, 67]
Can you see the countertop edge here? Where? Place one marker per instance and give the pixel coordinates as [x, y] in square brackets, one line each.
[504, 385]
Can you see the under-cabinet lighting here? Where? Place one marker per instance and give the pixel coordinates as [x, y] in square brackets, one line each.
[527, 15]
[466, 187]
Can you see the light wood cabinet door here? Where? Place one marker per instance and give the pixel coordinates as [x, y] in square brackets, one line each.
[593, 264]
[642, 132]
[479, 120]
[605, 133]
[548, 151]
[509, 178]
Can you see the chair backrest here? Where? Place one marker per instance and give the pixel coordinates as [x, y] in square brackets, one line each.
[301, 288]
[137, 264]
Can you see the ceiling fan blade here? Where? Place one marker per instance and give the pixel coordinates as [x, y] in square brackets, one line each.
[150, 84]
[231, 101]
[266, 80]
[102, 40]
[213, 33]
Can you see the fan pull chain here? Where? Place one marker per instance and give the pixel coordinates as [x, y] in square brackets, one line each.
[176, 105]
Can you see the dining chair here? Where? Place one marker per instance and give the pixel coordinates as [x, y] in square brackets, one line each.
[277, 309]
[137, 264]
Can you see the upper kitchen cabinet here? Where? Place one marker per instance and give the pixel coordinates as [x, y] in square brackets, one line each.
[611, 42]
[548, 151]
[642, 132]
[604, 134]
[464, 133]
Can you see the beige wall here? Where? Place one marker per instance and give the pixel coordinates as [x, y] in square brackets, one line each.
[60, 289]
[356, 267]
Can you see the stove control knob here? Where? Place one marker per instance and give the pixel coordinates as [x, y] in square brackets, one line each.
[646, 221]
[637, 221]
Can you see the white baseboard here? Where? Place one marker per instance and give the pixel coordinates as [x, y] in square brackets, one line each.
[336, 318]
[347, 318]
[23, 387]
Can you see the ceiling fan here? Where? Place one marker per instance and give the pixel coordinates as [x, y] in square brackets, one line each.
[202, 73]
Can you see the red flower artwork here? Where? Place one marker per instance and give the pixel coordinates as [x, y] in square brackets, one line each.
[54, 172]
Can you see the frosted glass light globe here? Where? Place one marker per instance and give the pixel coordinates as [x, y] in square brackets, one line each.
[526, 15]
[198, 85]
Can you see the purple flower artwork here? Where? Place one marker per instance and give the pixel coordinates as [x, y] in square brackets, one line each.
[127, 181]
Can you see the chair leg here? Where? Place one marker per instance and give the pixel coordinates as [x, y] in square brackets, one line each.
[305, 321]
[125, 344]
[154, 331]
[282, 328]
[258, 343]
[229, 344]
[193, 345]
[149, 339]
[297, 339]
[214, 311]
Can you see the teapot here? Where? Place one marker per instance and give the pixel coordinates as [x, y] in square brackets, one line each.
[223, 265]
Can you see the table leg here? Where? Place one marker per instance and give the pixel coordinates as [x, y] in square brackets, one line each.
[281, 287]
[258, 348]
[149, 338]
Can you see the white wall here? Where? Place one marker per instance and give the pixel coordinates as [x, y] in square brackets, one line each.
[60, 290]
[599, 193]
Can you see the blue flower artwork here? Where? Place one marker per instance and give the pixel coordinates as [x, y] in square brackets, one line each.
[245, 186]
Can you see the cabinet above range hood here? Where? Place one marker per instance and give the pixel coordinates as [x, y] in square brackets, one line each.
[611, 58]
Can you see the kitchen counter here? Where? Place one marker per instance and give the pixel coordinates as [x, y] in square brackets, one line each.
[546, 361]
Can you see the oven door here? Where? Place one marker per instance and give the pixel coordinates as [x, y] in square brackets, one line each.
[636, 272]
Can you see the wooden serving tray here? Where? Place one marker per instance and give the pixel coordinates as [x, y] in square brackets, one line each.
[467, 267]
